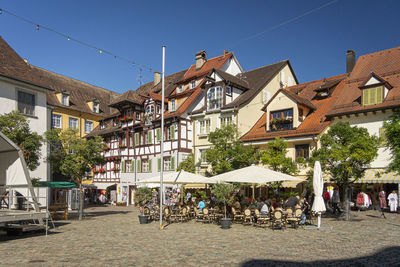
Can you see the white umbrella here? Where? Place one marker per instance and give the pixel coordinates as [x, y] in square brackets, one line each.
[318, 185]
[181, 177]
[254, 175]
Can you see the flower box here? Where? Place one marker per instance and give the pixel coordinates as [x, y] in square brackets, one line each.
[115, 169]
[102, 171]
[96, 171]
[122, 146]
[126, 119]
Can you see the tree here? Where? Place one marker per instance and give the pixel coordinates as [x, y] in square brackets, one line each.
[72, 156]
[223, 193]
[188, 164]
[345, 153]
[227, 152]
[16, 127]
[275, 157]
[392, 134]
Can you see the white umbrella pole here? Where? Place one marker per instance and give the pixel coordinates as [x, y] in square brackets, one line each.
[162, 138]
[319, 220]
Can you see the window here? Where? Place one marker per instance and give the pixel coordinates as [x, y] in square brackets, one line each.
[88, 126]
[193, 84]
[214, 98]
[73, 123]
[102, 125]
[65, 99]
[228, 91]
[281, 120]
[138, 116]
[302, 151]
[147, 165]
[372, 96]
[56, 121]
[202, 156]
[149, 114]
[204, 126]
[225, 121]
[150, 109]
[173, 107]
[26, 103]
[96, 107]
[179, 89]
[128, 166]
[167, 164]
[158, 108]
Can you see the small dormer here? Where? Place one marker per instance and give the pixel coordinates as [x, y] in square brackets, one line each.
[374, 90]
[94, 105]
[325, 89]
[63, 97]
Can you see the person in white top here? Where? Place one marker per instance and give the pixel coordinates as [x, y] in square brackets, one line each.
[393, 199]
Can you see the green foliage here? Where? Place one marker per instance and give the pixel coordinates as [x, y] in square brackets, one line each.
[223, 193]
[392, 133]
[73, 156]
[35, 182]
[275, 157]
[16, 127]
[188, 164]
[227, 152]
[143, 194]
[345, 152]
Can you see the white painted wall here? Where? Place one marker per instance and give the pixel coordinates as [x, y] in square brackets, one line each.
[231, 67]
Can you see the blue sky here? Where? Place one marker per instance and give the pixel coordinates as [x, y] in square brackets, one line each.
[315, 43]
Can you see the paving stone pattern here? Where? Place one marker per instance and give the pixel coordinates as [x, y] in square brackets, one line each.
[112, 236]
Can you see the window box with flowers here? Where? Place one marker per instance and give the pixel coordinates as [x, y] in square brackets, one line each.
[122, 146]
[102, 171]
[281, 123]
[96, 171]
[115, 169]
[126, 119]
[106, 148]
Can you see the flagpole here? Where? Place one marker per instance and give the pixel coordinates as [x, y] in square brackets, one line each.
[161, 194]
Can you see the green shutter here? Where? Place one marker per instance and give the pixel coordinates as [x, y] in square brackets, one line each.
[379, 94]
[150, 167]
[365, 97]
[172, 132]
[372, 96]
[136, 139]
[172, 163]
[159, 164]
[139, 166]
[150, 137]
[133, 166]
[158, 135]
[123, 166]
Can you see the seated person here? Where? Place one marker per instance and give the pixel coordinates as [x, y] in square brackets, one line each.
[264, 208]
[201, 205]
[292, 202]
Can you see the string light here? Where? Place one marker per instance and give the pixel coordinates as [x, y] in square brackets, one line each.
[69, 38]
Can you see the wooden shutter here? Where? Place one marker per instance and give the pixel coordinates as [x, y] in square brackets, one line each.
[158, 135]
[365, 97]
[159, 164]
[379, 94]
[139, 166]
[150, 133]
[132, 166]
[136, 139]
[372, 96]
[150, 165]
[172, 132]
[172, 163]
[123, 166]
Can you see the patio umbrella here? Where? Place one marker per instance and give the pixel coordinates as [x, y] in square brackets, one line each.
[254, 175]
[181, 177]
[318, 185]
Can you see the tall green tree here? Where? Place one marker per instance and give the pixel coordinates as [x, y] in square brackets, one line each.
[72, 156]
[392, 136]
[188, 164]
[275, 157]
[345, 153]
[227, 152]
[16, 127]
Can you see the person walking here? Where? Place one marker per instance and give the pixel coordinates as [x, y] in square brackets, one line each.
[335, 201]
[393, 200]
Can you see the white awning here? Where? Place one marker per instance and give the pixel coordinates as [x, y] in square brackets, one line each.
[181, 177]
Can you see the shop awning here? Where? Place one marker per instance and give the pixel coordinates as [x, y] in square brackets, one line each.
[379, 176]
[57, 184]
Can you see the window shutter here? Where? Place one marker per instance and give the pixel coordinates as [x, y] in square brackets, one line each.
[379, 92]
[136, 139]
[123, 166]
[158, 135]
[365, 97]
[159, 164]
[172, 163]
[150, 133]
[150, 168]
[139, 166]
[172, 132]
[133, 166]
[372, 96]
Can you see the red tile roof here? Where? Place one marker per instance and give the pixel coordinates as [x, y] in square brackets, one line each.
[314, 123]
[216, 62]
[384, 64]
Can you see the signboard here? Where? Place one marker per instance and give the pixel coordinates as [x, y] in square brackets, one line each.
[127, 178]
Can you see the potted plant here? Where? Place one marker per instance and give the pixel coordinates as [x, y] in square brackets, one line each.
[223, 193]
[115, 169]
[143, 194]
[102, 171]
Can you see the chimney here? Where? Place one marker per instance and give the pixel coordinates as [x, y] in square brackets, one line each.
[201, 58]
[157, 78]
[350, 60]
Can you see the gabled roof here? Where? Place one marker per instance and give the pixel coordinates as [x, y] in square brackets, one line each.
[14, 67]
[377, 77]
[229, 78]
[295, 97]
[314, 123]
[170, 81]
[216, 62]
[186, 104]
[386, 65]
[257, 80]
[129, 96]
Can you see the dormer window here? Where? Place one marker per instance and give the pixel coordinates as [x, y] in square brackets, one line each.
[214, 98]
[65, 98]
[96, 106]
[193, 84]
[281, 120]
[372, 96]
[179, 89]
[173, 106]
[149, 114]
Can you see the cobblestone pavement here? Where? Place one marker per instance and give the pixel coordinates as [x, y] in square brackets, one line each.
[113, 236]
